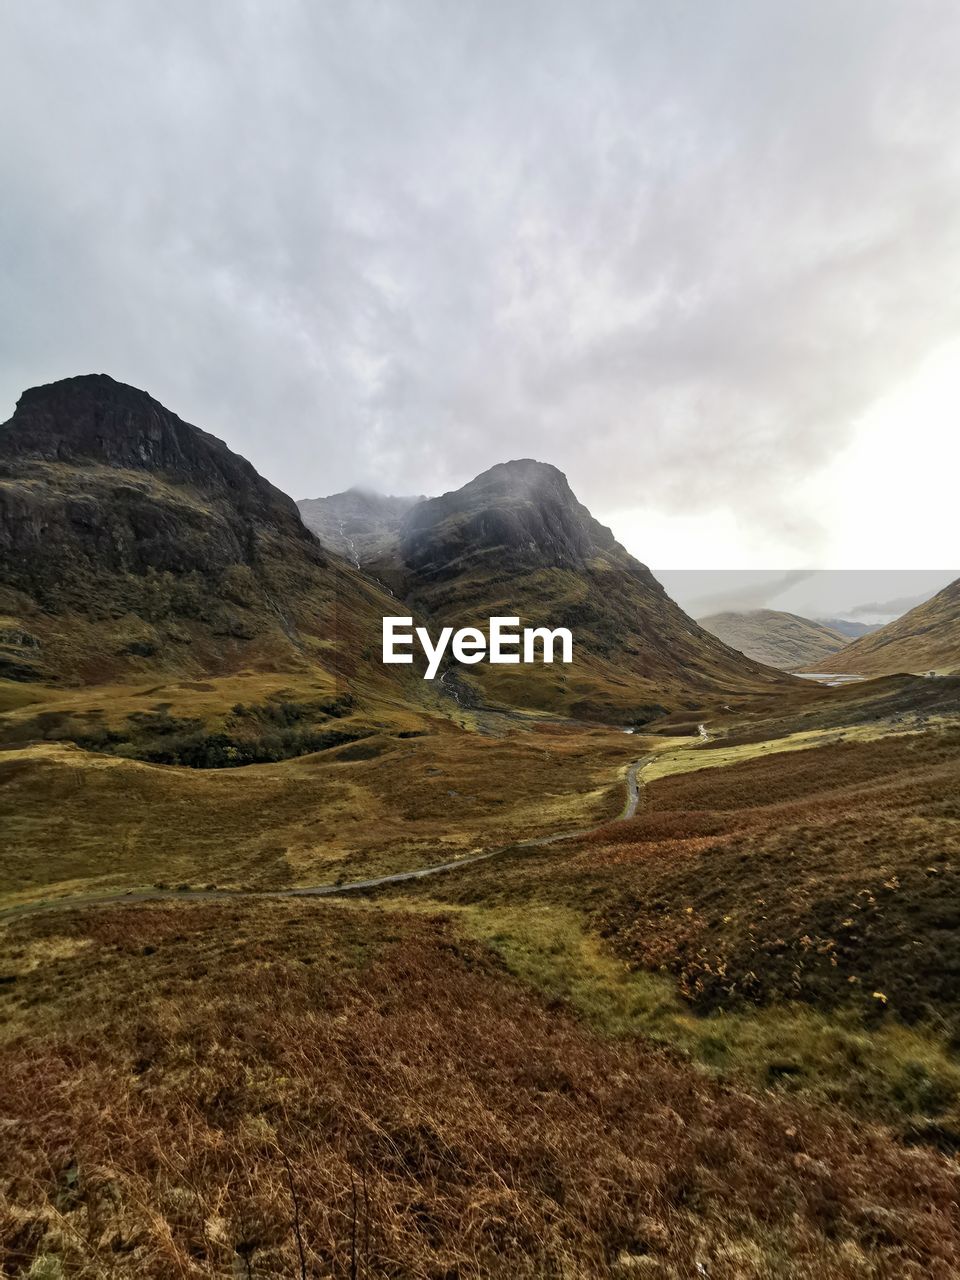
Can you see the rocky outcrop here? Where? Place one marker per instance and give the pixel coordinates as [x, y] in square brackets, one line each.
[356, 524]
[103, 489]
[93, 419]
[523, 510]
[130, 539]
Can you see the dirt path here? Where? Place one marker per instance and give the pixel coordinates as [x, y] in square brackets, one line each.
[323, 890]
[633, 787]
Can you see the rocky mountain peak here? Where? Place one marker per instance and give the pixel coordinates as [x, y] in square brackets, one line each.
[93, 419]
[522, 476]
[523, 510]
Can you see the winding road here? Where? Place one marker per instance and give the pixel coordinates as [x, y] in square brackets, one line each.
[324, 890]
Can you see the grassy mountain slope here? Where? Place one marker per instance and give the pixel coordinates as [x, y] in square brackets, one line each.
[385, 801]
[779, 639]
[925, 639]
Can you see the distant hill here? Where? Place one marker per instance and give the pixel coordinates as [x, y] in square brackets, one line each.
[783, 640]
[852, 630]
[356, 524]
[132, 541]
[516, 541]
[925, 639]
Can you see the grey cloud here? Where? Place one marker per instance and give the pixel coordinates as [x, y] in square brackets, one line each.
[810, 593]
[732, 591]
[883, 610]
[675, 249]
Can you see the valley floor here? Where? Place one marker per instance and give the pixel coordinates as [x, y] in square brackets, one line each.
[717, 1036]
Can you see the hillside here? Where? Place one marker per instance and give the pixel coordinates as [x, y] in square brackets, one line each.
[779, 639]
[138, 548]
[132, 541]
[356, 524]
[287, 1089]
[925, 639]
[515, 541]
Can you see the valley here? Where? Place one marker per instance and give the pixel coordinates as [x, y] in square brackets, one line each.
[643, 964]
[924, 639]
[705, 964]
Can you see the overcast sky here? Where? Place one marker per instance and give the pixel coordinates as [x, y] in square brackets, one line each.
[872, 596]
[704, 257]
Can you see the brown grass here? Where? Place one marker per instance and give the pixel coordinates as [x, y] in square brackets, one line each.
[821, 875]
[803, 905]
[80, 821]
[825, 876]
[294, 1089]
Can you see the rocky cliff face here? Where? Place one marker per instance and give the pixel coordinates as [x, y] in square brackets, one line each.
[104, 492]
[128, 536]
[93, 420]
[356, 524]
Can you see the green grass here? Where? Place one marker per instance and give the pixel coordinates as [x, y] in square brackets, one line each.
[897, 1073]
[679, 756]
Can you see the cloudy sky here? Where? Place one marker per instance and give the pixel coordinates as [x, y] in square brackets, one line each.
[704, 257]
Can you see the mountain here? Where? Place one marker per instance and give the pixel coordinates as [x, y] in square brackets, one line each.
[852, 630]
[356, 524]
[783, 640]
[516, 541]
[133, 541]
[925, 639]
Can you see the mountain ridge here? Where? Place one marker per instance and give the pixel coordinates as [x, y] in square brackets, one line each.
[94, 418]
[847, 627]
[524, 505]
[356, 524]
[135, 541]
